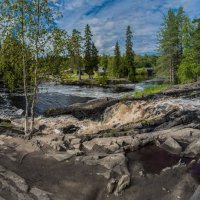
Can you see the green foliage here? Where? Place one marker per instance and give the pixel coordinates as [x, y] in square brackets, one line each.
[102, 80]
[151, 90]
[146, 61]
[189, 69]
[75, 50]
[5, 124]
[10, 62]
[104, 59]
[59, 42]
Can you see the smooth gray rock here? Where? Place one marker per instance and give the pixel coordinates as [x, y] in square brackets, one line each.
[111, 186]
[196, 195]
[124, 182]
[172, 146]
[193, 149]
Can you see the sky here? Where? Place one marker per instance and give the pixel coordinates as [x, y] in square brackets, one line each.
[109, 19]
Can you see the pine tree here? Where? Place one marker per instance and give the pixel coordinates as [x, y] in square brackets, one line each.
[88, 51]
[129, 55]
[117, 60]
[171, 47]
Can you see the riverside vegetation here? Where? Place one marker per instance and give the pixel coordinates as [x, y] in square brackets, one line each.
[145, 146]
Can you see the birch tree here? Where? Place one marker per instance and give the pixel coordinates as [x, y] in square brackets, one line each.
[14, 20]
[41, 23]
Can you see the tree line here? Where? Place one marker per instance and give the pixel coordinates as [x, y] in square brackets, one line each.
[179, 48]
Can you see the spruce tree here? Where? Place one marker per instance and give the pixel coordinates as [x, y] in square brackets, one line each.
[129, 55]
[88, 51]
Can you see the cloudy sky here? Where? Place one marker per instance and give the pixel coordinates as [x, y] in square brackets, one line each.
[109, 18]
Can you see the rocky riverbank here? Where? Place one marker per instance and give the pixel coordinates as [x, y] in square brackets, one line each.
[145, 148]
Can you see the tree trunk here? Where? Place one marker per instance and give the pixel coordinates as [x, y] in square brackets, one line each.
[79, 71]
[26, 129]
[35, 88]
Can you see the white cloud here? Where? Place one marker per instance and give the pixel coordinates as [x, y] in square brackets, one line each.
[109, 19]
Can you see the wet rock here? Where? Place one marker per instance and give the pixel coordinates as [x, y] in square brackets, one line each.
[124, 182]
[172, 146]
[193, 149]
[70, 129]
[120, 88]
[111, 186]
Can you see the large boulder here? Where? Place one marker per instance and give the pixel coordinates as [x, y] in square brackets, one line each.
[92, 109]
[112, 144]
[172, 146]
[113, 162]
[196, 195]
[193, 149]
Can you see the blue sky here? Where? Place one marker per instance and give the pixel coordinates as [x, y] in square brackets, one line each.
[109, 18]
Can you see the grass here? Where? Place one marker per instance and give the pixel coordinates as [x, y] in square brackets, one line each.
[5, 124]
[151, 90]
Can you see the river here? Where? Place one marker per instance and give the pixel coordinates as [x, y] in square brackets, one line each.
[53, 95]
